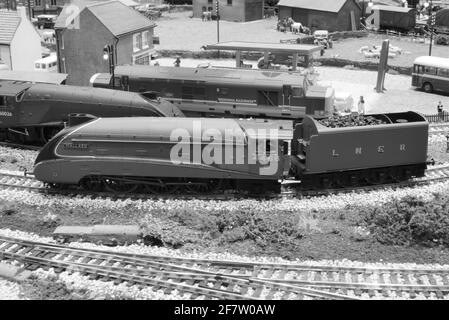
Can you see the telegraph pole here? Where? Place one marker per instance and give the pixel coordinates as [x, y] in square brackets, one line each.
[432, 24]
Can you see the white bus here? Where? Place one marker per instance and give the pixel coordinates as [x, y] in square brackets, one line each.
[48, 64]
[431, 74]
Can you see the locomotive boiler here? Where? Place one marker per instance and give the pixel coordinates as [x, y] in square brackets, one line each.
[161, 155]
[35, 112]
[226, 92]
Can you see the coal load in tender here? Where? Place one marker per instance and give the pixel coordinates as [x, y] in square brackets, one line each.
[350, 121]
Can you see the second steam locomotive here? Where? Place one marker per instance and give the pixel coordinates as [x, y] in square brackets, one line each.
[36, 112]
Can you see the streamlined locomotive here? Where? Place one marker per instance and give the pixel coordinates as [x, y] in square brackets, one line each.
[160, 155]
[226, 92]
[35, 112]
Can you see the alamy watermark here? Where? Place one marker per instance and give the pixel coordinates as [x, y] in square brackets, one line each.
[234, 147]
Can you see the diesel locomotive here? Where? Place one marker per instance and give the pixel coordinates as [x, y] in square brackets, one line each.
[161, 155]
[226, 92]
[35, 112]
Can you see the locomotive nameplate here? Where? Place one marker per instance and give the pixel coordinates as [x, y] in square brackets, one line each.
[75, 146]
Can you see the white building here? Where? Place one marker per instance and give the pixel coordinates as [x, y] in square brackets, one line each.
[20, 43]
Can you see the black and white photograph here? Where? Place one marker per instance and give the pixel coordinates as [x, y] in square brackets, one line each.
[205, 152]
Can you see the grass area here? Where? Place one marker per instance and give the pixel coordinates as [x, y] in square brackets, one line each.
[178, 31]
[349, 49]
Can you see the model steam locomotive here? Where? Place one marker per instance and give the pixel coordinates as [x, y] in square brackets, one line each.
[161, 155]
[35, 112]
[226, 92]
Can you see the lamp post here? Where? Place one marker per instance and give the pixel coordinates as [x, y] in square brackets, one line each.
[108, 54]
[218, 20]
[431, 23]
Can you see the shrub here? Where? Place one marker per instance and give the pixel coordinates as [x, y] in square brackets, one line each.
[410, 221]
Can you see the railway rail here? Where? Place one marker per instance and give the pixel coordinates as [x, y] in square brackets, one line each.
[232, 279]
[145, 272]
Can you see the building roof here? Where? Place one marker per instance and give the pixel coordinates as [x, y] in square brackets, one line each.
[392, 8]
[9, 22]
[118, 18]
[301, 49]
[319, 5]
[33, 76]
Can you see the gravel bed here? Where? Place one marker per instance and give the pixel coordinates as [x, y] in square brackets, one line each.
[9, 290]
[338, 201]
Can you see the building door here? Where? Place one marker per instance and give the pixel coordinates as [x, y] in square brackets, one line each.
[253, 11]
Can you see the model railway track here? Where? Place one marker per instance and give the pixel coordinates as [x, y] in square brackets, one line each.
[29, 183]
[233, 279]
[145, 273]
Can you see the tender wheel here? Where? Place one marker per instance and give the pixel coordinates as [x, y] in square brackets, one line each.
[207, 186]
[119, 186]
[92, 184]
[427, 87]
[327, 182]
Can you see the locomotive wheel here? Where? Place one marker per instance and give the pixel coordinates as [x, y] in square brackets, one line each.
[46, 133]
[207, 186]
[119, 186]
[160, 189]
[92, 184]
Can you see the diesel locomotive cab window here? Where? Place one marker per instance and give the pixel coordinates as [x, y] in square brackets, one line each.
[297, 92]
[2, 101]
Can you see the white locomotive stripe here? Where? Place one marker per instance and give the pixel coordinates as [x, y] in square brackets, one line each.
[71, 133]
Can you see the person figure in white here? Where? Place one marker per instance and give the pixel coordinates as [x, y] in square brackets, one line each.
[361, 106]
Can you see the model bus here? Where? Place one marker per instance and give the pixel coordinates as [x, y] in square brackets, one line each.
[48, 64]
[431, 74]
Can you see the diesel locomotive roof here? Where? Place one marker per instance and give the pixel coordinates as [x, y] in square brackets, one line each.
[221, 75]
[144, 128]
[12, 88]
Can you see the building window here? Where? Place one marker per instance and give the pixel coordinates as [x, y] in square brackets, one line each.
[142, 59]
[229, 2]
[37, 3]
[53, 2]
[145, 40]
[137, 42]
[209, 1]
